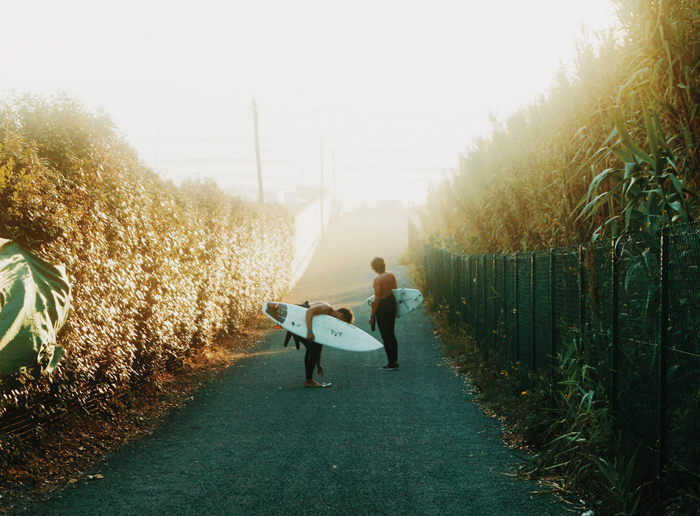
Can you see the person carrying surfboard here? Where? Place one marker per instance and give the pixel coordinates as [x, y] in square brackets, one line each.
[312, 358]
[384, 311]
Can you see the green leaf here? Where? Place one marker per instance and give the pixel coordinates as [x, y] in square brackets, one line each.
[632, 79]
[657, 68]
[677, 184]
[610, 137]
[606, 197]
[595, 184]
[613, 221]
[634, 191]
[677, 206]
[688, 137]
[651, 133]
[638, 152]
[670, 65]
[623, 154]
[662, 134]
[670, 108]
[620, 124]
[608, 471]
[628, 473]
[592, 207]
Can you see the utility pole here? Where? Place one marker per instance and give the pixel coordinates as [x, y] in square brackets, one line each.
[322, 188]
[257, 152]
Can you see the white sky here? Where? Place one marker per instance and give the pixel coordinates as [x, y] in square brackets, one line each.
[389, 85]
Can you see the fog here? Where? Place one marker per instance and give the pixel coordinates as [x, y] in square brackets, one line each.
[395, 90]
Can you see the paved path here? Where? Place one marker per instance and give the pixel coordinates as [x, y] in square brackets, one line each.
[374, 443]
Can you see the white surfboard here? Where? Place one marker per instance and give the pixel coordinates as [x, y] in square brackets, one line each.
[328, 330]
[407, 300]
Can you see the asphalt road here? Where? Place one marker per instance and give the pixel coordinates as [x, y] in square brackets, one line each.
[255, 441]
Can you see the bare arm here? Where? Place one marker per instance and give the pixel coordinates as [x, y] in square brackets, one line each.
[377, 295]
[318, 308]
[383, 285]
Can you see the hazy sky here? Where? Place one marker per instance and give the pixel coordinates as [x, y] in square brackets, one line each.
[396, 89]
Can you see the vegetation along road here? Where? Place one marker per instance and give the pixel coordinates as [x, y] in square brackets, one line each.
[255, 441]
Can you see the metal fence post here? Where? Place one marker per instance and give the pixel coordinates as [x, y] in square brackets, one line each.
[468, 293]
[516, 310]
[475, 294]
[440, 276]
[473, 302]
[663, 358]
[455, 287]
[532, 305]
[581, 295]
[450, 287]
[463, 301]
[482, 315]
[444, 281]
[428, 268]
[494, 322]
[552, 310]
[506, 318]
[458, 289]
[615, 329]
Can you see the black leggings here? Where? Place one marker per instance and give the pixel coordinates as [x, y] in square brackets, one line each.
[313, 352]
[386, 319]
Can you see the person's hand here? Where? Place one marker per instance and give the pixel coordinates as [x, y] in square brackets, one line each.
[371, 322]
[319, 369]
[310, 336]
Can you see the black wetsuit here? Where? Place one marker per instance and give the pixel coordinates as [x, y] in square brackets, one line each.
[385, 317]
[313, 353]
[313, 350]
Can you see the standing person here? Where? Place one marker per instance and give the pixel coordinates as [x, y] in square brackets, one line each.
[384, 311]
[312, 358]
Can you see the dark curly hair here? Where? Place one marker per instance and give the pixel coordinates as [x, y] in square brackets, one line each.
[348, 316]
[378, 264]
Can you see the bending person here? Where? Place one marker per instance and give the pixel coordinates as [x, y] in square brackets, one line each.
[384, 311]
[312, 358]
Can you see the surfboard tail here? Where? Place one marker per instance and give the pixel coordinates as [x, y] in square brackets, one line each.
[276, 311]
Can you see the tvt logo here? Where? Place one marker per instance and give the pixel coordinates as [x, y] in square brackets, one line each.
[336, 333]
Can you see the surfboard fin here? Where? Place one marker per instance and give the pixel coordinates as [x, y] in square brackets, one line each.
[289, 336]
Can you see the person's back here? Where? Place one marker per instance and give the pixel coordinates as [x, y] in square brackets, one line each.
[313, 349]
[384, 309]
[384, 284]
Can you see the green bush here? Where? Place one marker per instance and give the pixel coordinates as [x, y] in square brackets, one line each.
[158, 270]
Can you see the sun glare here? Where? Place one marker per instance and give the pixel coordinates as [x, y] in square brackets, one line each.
[396, 91]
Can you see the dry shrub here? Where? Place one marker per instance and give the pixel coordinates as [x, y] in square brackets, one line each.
[158, 270]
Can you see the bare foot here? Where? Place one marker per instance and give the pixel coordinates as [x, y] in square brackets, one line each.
[312, 383]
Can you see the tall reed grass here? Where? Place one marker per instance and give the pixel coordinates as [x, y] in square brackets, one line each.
[611, 147]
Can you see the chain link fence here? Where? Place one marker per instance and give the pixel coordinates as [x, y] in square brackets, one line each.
[633, 304]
